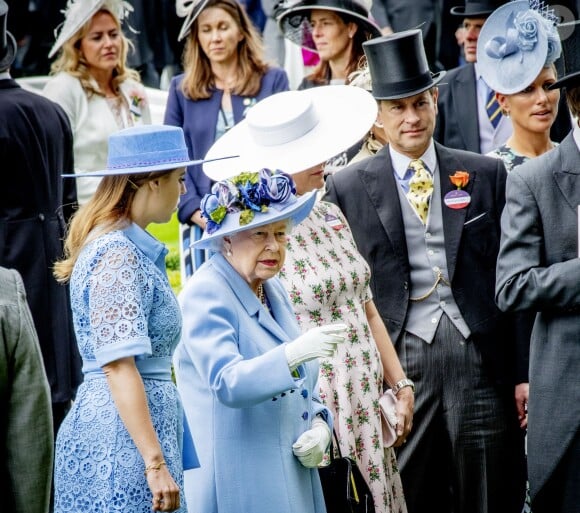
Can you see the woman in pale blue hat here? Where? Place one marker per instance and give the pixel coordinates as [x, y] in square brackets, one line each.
[518, 45]
[248, 378]
[122, 446]
[517, 48]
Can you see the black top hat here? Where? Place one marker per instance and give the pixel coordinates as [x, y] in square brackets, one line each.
[569, 62]
[7, 42]
[293, 15]
[398, 65]
[476, 8]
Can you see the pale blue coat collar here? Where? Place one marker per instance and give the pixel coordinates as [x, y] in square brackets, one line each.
[283, 322]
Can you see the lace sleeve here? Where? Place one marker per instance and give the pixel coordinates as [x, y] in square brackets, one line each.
[120, 295]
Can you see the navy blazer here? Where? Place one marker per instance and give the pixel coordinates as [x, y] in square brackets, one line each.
[457, 120]
[367, 194]
[198, 119]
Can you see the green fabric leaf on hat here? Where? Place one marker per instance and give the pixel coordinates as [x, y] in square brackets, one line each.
[246, 217]
[217, 216]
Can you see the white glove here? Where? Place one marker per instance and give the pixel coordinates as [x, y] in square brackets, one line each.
[316, 342]
[312, 444]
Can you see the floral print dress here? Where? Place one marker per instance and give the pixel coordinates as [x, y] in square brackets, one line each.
[328, 282]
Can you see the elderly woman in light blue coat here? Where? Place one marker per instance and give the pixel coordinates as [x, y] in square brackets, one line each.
[248, 378]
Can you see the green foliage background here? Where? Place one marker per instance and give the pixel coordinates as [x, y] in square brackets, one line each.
[168, 233]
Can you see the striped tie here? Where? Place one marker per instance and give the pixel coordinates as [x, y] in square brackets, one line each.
[493, 109]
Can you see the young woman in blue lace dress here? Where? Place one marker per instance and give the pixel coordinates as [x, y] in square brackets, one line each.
[120, 446]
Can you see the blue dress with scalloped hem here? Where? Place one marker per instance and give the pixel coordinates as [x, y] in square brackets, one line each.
[122, 306]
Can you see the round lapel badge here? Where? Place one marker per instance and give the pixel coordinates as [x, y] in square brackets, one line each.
[457, 199]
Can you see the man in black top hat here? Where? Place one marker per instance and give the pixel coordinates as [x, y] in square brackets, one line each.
[463, 121]
[538, 270]
[36, 147]
[426, 219]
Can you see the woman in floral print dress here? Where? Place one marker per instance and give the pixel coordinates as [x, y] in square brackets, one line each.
[326, 277]
[328, 281]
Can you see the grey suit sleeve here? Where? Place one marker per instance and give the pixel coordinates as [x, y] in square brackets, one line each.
[27, 403]
[523, 280]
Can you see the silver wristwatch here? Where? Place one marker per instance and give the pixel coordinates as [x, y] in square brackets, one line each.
[402, 384]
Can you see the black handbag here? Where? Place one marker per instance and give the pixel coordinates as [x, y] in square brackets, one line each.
[345, 489]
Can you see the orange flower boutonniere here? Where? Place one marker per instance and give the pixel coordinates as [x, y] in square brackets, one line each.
[460, 179]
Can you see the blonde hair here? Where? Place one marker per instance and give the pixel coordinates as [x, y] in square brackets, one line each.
[199, 80]
[108, 209]
[72, 61]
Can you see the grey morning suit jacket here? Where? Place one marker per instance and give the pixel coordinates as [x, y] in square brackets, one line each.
[539, 269]
[26, 448]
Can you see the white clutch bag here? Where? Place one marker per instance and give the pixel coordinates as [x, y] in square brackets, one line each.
[388, 407]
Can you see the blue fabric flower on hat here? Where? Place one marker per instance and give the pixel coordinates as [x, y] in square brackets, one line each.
[246, 193]
[522, 32]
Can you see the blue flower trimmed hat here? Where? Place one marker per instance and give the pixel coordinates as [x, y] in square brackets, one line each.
[144, 149]
[250, 200]
[515, 43]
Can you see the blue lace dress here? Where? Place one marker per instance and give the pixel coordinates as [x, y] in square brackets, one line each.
[122, 306]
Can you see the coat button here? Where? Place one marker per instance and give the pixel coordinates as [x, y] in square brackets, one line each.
[283, 394]
[274, 398]
[305, 415]
[304, 393]
[41, 217]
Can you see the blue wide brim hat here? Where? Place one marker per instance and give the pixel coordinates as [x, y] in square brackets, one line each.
[144, 149]
[515, 43]
[295, 210]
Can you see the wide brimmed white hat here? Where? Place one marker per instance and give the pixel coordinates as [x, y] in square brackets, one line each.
[250, 200]
[294, 131]
[79, 12]
[515, 43]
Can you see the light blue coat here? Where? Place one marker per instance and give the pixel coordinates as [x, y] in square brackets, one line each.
[244, 408]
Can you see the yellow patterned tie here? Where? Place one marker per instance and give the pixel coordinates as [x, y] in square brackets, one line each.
[420, 188]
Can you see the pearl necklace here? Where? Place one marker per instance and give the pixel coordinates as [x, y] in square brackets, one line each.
[260, 294]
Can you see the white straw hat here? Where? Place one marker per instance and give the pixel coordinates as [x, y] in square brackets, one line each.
[294, 131]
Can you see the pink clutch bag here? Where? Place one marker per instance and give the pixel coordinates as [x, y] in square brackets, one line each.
[387, 404]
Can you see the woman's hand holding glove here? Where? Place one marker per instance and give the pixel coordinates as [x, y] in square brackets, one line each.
[312, 444]
[315, 343]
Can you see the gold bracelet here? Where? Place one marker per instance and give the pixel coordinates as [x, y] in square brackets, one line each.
[154, 466]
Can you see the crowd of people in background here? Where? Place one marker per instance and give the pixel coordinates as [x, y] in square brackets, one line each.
[374, 198]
